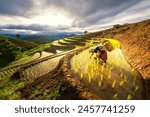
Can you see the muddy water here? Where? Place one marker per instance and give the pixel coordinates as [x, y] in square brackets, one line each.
[114, 80]
[40, 69]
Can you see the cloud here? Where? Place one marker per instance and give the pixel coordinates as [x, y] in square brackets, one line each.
[89, 12]
[84, 14]
[34, 28]
[136, 13]
[16, 7]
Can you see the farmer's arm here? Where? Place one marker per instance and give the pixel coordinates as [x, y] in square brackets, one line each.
[91, 55]
[99, 52]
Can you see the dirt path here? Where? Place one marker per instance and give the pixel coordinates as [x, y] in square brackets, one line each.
[114, 80]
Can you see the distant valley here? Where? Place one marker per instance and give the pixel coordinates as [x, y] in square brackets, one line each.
[43, 38]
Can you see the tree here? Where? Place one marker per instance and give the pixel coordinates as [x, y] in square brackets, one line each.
[18, 36]
[85, 32]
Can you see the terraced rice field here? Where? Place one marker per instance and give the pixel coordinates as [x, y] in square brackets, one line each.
[40, 69]
[25, 60]
[9, 70]
[45, 54]
[69, 43]
[114, 80]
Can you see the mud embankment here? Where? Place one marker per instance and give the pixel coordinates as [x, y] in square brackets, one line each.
[83, 91]
[57, 84]
[136, 45]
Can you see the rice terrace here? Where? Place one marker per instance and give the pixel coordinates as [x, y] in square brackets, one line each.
[64, 68]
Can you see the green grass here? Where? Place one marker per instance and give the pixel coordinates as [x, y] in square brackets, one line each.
[3, 37]
[13, 49]
[41, 94]
[17, 56]
[9, 88]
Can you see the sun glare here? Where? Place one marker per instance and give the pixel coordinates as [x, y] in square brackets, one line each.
[52, 19]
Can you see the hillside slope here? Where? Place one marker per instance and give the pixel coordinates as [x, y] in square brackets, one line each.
[135, 42]
[42, 39]
[61, 84]
[12, 48]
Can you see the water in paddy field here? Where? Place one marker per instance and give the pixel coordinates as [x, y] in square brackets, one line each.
[16, 65]
[40, 69]
[114, 80]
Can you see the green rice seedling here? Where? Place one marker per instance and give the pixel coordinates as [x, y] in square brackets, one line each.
[115, 96]
[134, 81]
[102, 68]
[100, 82]
[74, 57]
[97, 63]
[114, 83]
[111, 67]
[95, 66]
[81, 76]
[92, 73]
[79, 64]
[134, 77]
[125, 78]
[86, 69]
[107, 69]
[132, 70]
[89, 78]
[121, 73]
[97, 69]
[76, 69]
[109, 75]
[117, 63]
[101, 76]
[128, 66]
[135, 90]
[109, 72]
[129, 97]
[121, 83]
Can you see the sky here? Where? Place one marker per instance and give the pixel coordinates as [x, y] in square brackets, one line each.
[45, 16]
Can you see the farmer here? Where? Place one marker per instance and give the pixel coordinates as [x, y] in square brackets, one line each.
[100, 52]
